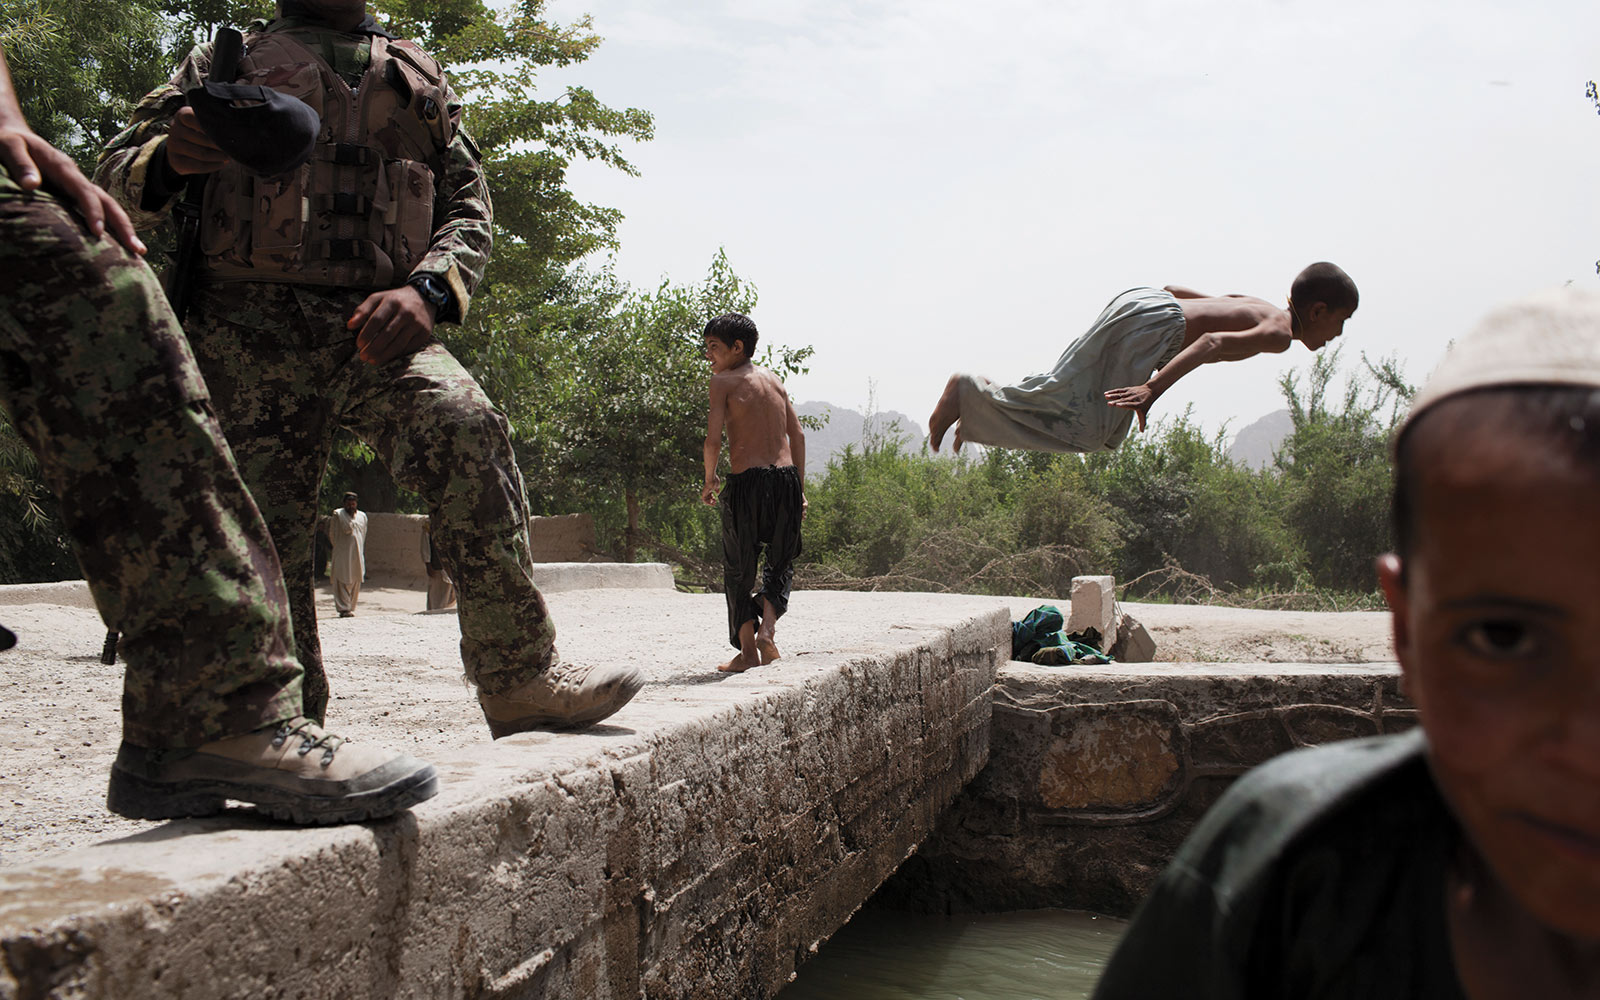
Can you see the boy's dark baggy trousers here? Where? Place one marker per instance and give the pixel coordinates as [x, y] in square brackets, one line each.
[760, 507]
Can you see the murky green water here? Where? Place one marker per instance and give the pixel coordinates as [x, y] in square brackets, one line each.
[1022, 955]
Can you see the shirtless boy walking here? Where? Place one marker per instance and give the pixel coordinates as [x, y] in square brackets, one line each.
[1088, 400]
[764, 499]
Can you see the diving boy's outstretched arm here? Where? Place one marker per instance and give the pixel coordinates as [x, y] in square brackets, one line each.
[1270, 336]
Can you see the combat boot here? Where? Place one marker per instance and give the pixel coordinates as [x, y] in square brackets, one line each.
[564, 696]
[291, 771]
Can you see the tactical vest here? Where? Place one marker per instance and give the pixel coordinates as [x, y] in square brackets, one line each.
[359, 212]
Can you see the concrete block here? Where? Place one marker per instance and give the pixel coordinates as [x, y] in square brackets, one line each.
[556, 577]
[1133, 643]
[394, 543]
[1094, 605]
[562, 538]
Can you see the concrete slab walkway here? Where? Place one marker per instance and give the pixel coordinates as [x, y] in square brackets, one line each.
[699, 843]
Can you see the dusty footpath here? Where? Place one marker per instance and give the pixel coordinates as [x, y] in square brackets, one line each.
[395, 671]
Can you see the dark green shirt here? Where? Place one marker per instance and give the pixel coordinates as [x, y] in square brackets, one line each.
[1319, 876]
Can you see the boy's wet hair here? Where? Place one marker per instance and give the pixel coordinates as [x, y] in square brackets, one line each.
[1326, 283]
[1559, 422]
[730, 327]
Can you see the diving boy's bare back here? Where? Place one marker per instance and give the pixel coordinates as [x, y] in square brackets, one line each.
[1212, 328]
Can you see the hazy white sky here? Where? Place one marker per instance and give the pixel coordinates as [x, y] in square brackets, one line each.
[923, 186]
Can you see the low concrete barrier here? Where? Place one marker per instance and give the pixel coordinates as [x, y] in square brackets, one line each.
[394, 543]
[701, 843]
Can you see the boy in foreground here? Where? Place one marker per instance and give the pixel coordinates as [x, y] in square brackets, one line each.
[1088, 400]
[1461, 859]
[764, 499]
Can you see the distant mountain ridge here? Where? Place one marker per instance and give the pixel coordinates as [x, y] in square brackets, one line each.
[847, 428]
[1256, 443]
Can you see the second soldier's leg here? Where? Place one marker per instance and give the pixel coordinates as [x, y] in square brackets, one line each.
[431, 423]
[271, 395]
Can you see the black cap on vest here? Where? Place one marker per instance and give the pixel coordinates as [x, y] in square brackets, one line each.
[266, 132]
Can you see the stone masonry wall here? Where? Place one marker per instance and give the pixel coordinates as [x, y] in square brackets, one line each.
[1096, 774]
[699, 844]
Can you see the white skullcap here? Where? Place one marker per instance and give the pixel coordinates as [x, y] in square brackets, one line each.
[1549, 338]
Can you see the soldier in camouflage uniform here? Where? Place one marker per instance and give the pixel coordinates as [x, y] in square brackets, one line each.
[315, 309]
[97, 378]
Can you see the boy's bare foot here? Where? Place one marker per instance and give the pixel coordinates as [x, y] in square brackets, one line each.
[738, 665]
[748, 655]
[947, 412]
[768, 650]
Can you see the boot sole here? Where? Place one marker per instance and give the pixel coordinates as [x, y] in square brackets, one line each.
[545, 720]
[140, 798]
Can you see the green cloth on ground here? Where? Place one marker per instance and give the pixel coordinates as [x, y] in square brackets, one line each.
[1065, 651]
[1042, 633]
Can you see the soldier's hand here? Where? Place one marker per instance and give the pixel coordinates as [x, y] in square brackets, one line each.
[189, 149]
[32, 162]
[392, 324]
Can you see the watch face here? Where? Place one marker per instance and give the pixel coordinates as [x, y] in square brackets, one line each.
[432, 289]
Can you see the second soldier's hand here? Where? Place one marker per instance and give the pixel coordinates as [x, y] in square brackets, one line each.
[189, 149]
[392, 324]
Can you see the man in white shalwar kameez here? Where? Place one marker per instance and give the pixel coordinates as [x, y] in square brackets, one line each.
[347, 529]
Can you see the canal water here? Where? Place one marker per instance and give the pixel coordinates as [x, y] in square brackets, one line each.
[1021, 955]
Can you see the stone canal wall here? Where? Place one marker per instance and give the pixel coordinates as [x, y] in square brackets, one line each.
[701, 843]
[1096, 774]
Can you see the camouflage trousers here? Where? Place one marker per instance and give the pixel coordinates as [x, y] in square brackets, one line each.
[284, 375]
[97, 378]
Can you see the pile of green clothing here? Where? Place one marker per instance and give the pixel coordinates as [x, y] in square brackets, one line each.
[1038, 638]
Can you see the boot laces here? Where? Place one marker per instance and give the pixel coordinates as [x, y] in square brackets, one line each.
[311, 736]
[568, 674]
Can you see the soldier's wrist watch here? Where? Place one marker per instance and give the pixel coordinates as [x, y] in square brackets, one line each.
[432, 290]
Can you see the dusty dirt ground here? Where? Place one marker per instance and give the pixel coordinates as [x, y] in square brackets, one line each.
[396, 674]
[1200, 634]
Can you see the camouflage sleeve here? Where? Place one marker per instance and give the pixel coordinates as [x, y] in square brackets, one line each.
[463, 231]
[126, 163]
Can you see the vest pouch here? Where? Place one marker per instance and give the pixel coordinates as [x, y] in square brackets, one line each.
[225, 216]
[417, 125]
[278, 226]
[410, 232]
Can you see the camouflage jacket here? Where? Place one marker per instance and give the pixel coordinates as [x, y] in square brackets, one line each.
[463, 212]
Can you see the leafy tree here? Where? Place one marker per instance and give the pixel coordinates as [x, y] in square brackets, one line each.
[1180, 499]
[1335, 468]
[80, 67]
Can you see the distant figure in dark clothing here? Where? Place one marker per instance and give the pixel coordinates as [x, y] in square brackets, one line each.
[764, 499]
